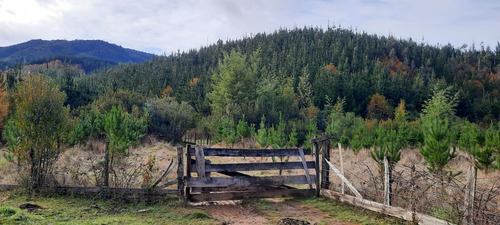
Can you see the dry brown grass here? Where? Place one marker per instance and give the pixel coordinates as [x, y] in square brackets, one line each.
[79, 166]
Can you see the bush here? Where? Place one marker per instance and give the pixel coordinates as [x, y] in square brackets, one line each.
[128, 99]
[169, 118]
[40, 128]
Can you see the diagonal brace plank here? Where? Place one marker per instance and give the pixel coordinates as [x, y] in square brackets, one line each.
[349, 185]
[308, 177]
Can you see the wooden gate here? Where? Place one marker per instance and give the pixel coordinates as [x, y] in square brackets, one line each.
[229, 183]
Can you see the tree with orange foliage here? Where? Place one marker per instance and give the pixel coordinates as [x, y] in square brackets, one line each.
[332, 68]
[41, 125]
[193, 81]
[379, 108]
[167, 92]
[4, 105]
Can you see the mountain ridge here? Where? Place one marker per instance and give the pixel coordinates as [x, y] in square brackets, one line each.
[87, 51]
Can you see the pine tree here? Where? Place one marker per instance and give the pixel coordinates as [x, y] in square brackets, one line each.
[261, 137]
[470, 142]
[243, 130]
[292, 138]
[437, 113]
[122, 130]
[304, 91]
[436, 150]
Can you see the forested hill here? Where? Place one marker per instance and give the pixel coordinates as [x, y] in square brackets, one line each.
[91, 54]
[287, 70]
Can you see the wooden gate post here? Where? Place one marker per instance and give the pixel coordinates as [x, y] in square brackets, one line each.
[316, 152]
[180, 173]
[325, 172]
[188, 168]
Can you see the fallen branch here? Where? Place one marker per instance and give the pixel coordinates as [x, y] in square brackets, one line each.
[167, 171]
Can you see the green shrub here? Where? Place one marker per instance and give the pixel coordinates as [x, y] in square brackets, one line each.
[126, 98]
[169, 118]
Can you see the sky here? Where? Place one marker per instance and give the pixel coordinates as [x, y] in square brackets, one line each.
[165, 26]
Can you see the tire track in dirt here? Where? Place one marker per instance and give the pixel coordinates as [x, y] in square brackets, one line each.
[268, 212]
[235, 214]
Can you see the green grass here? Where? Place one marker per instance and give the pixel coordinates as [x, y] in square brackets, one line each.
[347, 213]
[81, 210]
[262, 205]
[445, 213]
[75, 210]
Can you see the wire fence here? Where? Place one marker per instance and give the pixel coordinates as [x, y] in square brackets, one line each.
[413, 187]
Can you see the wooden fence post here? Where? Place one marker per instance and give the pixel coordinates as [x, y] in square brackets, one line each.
[341, 168]
[188, 168]
[180, 173]
[316, 152]
[325, 172]
[387, 181]
[470, 190]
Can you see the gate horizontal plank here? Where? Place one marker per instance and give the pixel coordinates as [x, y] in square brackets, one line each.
[245, 195]
[250, 152]
[234, 167]
[245, 181]
[240, 189]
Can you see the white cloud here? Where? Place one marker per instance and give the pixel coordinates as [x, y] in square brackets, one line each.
[168, 25]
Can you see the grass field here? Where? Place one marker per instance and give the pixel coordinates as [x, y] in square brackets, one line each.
[85, 210]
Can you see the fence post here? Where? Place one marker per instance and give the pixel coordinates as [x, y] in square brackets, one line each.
[387, 182]
[341, 168]
[188, 168]
[325, 173]
[470, 190]
[180, 173]
[316, 152]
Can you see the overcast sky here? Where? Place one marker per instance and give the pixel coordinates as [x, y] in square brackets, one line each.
[163, 26]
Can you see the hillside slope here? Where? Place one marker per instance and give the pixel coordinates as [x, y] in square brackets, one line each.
[332, 64]
[85, 52]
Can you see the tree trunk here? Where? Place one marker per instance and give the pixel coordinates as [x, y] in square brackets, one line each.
[33, 170]
[106, 165]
